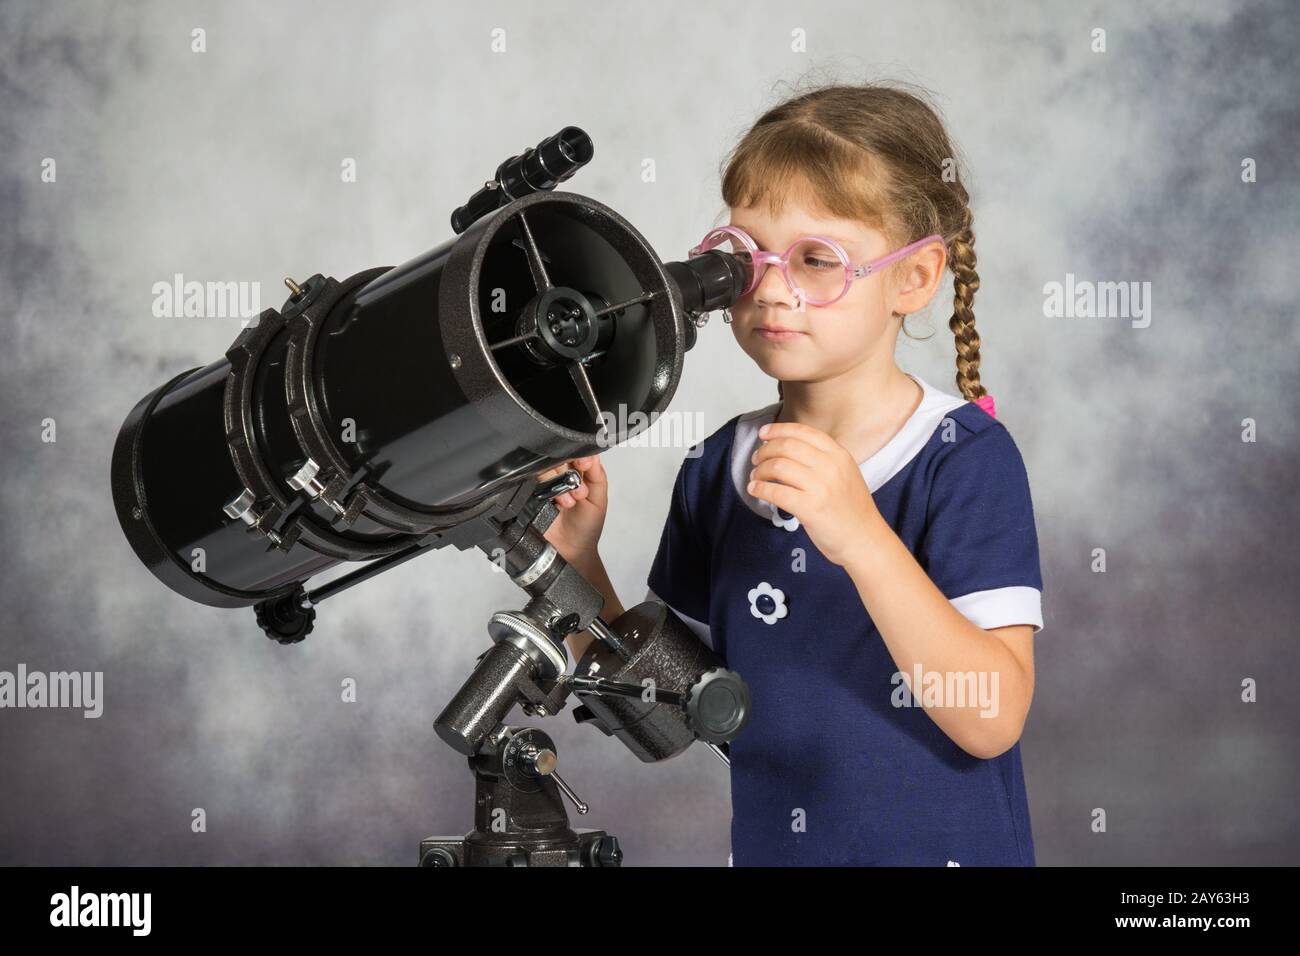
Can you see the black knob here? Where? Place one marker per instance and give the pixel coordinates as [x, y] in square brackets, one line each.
[438, 856]
[717, 705]
[286, 619]
[607, 852]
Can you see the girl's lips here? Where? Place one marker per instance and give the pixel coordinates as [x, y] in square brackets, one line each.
[777, 336]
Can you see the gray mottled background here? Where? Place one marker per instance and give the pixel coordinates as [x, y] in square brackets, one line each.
[1123, 165]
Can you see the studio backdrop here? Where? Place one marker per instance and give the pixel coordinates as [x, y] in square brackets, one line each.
[151, 149]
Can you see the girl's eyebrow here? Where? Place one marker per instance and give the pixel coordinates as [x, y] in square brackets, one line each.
[842, 240]
[829, 235]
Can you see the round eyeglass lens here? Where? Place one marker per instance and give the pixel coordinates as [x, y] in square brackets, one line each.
[817, 270]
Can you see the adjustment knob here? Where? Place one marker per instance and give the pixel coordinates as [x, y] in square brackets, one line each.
[286, 619]
[606, 852]
[537, 762]
[717, 705]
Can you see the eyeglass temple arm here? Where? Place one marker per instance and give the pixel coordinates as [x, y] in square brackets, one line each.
[893, 257]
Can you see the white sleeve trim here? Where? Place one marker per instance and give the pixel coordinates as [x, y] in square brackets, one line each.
[700, 629]
[1000, 607]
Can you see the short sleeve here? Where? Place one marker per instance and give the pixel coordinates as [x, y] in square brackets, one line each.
[680, 573]
[980, 546]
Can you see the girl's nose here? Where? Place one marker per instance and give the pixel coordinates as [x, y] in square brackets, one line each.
[772, 288]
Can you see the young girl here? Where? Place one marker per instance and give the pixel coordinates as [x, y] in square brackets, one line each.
[862, 551]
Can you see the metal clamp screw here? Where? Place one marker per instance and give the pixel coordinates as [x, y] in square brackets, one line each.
[306, 480]
[242, 508]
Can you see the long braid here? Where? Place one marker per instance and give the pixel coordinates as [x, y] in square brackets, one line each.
[966, 283]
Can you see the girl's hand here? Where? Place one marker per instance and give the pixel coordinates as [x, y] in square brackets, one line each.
[805, 472]
[576, 529]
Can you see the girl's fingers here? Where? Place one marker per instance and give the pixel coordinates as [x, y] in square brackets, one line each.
[789, 447]
[596, 483]
[592, 486]
[783, 496]
[588, 467]
[787, 471]
[813, 436]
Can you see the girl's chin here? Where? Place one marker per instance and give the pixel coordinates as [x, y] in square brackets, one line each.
[777, 365]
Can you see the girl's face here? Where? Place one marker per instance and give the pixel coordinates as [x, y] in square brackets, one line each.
[821, 342]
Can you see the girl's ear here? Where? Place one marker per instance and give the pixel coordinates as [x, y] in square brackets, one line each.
[920, 278]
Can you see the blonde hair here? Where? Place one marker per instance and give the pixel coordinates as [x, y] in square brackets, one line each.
[876, 153]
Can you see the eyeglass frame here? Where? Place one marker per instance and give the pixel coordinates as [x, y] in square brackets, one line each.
[852, 273]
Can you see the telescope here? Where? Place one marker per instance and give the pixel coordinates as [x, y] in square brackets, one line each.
[404, 409]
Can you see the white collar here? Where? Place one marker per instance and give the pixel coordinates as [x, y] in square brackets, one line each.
[888, 461]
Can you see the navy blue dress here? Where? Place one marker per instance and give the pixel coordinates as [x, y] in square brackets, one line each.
[833, 768]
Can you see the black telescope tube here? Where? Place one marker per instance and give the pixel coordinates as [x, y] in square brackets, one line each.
[404, 392]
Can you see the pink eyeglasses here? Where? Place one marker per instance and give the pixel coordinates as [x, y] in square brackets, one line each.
[816, 269]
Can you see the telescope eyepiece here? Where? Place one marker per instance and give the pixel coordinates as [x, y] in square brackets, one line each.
[547, 165]
[538, 168]
[708, 282]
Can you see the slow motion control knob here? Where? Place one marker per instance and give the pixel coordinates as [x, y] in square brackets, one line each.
[717, 705]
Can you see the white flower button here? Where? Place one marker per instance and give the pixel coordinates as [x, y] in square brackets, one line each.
[790, 523]
[767, 603]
